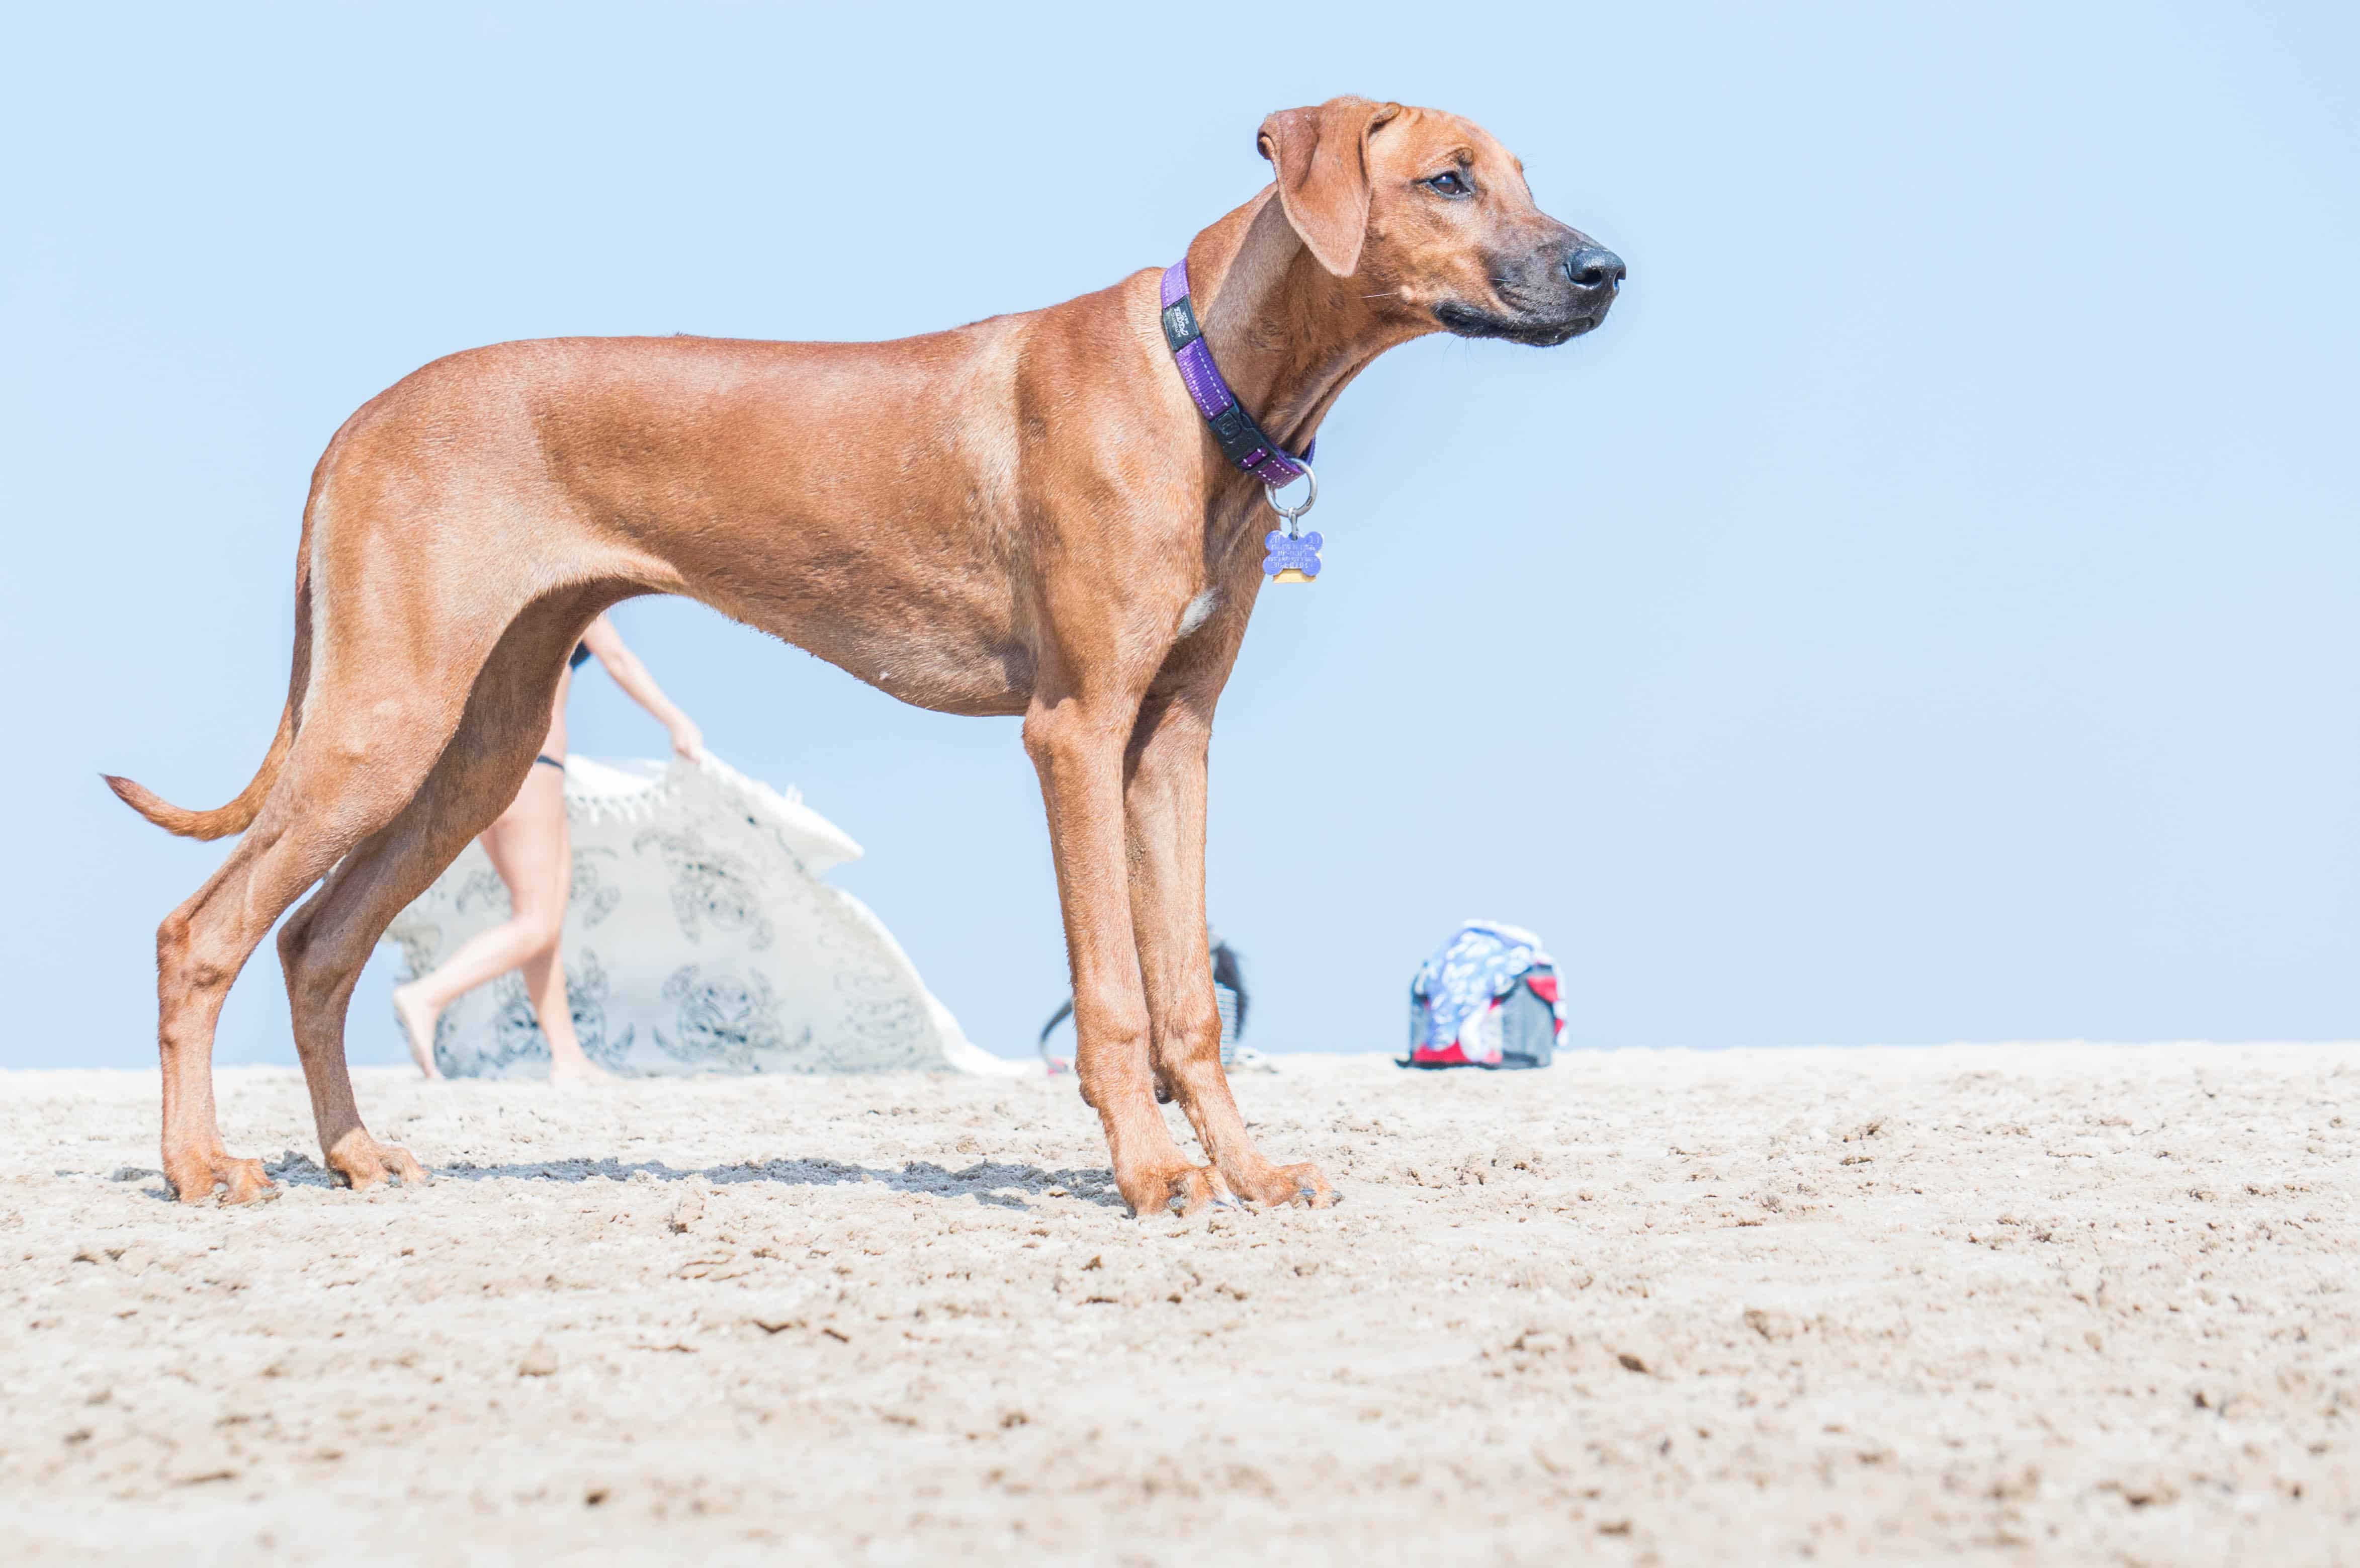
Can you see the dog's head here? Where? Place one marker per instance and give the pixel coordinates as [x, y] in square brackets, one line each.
[1433, 218]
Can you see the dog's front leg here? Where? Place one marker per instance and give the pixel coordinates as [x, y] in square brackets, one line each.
[1076, 746]
[1164, 801]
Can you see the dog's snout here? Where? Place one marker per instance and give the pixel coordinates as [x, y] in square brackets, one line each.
[1594, 268]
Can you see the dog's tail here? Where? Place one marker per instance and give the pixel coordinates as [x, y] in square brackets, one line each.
[222, 821]
[239, 814]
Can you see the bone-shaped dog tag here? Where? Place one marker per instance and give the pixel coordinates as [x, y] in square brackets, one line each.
[1293, 558]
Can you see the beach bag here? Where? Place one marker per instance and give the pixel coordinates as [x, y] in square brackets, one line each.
[1489, 998]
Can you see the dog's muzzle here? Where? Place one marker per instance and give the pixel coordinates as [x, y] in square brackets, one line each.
[1579, 290]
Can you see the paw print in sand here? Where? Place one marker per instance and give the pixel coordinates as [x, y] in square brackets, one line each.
[1291, 560]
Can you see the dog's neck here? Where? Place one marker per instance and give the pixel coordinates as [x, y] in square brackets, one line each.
[1288, 334]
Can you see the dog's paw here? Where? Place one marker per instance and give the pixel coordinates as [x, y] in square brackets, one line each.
[1281, 1185]
[1179, 1192]
[364, 1163]
[194, 1178]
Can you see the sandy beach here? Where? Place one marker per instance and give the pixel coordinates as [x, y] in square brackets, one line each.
[2021, 1303]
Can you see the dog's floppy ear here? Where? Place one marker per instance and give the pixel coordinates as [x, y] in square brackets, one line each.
[1321, 157]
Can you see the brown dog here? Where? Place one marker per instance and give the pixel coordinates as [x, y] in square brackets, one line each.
[1026, 515]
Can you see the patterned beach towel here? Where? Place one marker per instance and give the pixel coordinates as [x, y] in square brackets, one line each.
[701, 937]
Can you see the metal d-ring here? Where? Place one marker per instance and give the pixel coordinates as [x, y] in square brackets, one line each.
[1310, 497]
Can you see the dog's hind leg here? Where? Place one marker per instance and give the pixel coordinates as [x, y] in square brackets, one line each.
[323, 945]
[368, 739]
[343, 781]
[1164, 801]
[200, 948]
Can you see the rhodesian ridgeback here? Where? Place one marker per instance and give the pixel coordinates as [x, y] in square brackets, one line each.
[1052, 514]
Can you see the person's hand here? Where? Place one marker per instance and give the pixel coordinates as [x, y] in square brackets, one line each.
[688, 740]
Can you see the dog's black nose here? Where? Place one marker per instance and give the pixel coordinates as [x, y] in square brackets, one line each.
[1594, 268]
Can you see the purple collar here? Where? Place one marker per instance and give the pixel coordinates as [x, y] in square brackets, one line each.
[1241, 440]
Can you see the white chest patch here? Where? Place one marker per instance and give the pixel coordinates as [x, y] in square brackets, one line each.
[1199, 609]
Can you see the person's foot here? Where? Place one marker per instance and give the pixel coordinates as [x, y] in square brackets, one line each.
[578, 1069]
[417, 1023]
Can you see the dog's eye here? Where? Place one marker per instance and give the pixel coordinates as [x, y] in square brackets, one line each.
[1450, 183]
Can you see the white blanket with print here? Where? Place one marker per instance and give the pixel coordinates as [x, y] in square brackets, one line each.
[699, 938]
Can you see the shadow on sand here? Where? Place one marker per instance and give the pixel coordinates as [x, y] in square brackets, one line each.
[994, 1183]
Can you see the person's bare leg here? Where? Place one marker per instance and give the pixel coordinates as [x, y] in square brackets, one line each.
[418, 1020]
[539, 875]
[533, 853]
[544, 986]
[482, 956]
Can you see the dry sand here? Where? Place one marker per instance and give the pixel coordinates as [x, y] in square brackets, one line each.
[2046, 1304]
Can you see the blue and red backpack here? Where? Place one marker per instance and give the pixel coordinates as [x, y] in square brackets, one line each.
[1486, 998]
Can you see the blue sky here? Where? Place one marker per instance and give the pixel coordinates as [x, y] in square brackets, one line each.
[1929, 610]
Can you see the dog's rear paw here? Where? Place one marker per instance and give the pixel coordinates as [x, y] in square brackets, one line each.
[194, 1179]
[364, 1163]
